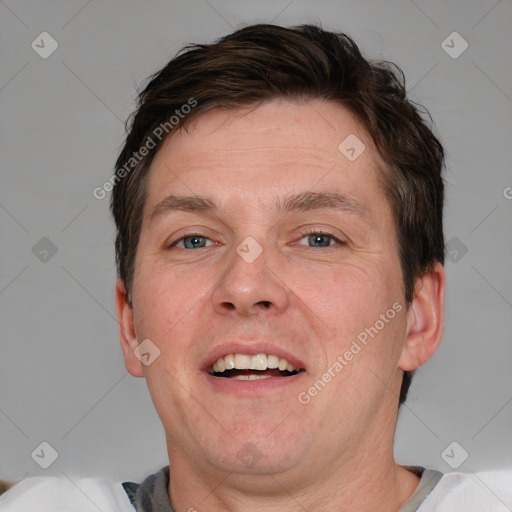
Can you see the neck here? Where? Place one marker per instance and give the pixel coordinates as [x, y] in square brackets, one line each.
[358, 482]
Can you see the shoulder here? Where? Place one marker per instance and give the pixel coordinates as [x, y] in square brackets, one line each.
[471, 492]
[62, 494]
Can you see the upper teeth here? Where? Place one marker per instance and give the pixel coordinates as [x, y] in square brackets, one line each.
[246, 362]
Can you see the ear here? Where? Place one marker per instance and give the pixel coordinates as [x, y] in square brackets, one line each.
[425, 320]
[127, 331]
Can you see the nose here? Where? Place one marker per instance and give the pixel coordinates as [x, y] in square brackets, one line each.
[250, 287]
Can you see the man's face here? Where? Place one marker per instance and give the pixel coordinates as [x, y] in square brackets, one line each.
[277, 267]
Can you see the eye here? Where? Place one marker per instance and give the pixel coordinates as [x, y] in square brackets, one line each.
[320, 239]
[192, 241]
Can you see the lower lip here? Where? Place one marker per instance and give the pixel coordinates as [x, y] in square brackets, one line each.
[251, 387]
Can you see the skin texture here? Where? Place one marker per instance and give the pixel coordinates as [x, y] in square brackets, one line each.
[335, 452]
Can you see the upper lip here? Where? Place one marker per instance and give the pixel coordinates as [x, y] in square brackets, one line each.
[250, 348]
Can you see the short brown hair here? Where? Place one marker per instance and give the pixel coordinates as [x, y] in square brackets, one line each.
[262, 62]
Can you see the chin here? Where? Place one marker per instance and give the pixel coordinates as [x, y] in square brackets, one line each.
[257, 449]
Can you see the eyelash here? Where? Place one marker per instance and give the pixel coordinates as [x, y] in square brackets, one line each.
[302, 235]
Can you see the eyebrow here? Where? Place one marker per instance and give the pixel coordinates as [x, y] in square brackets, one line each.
[302, 202]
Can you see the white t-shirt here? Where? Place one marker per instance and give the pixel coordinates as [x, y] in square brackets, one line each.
[59, 494]
[452, 492]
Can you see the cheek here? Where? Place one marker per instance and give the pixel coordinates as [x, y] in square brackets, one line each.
[349, 296]
[364, 307]
[168, 309]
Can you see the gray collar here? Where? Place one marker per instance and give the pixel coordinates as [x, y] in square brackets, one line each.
[429, 479]
[151, 495]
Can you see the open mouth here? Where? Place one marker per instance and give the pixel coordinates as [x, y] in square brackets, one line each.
[246, 367]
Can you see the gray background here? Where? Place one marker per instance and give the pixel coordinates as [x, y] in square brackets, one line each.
[62, 379]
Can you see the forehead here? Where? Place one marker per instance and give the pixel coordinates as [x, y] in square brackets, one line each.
[254, 152]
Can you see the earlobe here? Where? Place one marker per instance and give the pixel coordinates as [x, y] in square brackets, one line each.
[127, 334]
[425, 320]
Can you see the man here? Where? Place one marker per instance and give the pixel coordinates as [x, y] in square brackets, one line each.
[280, 254]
